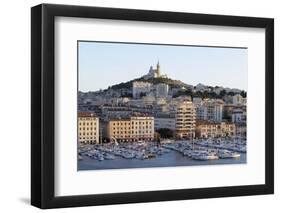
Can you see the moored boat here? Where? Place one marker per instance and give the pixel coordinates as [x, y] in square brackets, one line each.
[203, 155]
[228, 154]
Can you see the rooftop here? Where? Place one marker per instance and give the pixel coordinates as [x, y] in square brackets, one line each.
[86, 114]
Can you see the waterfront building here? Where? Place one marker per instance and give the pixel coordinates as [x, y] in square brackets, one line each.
[165, 122]
[185, 120]
[119, 129]
[206, 129]
[162, 90]
[88, 128]
[134, 128]
[142, 128]
[141, 88]
[227, 129]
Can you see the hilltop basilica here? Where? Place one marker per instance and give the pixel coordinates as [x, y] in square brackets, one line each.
[154, 73]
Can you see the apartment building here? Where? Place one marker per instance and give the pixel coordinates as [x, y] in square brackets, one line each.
[185, 120]
[207, 129]
[88, 128]
[135, 128]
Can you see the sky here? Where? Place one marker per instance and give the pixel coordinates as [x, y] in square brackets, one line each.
[102, 64]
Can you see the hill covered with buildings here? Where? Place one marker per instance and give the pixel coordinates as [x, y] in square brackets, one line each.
[155, 103]
[176, 88]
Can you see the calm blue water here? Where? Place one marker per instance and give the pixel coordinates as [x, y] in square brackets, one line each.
[172, 158]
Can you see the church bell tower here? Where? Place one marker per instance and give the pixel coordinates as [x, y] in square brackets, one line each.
[158, 69]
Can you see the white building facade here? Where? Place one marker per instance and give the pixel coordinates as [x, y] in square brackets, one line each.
[185, 120]
[88, 128]
[210, 110]
[141, 88]
[162, 90]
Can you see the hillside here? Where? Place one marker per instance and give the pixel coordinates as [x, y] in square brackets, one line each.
[188, 90]
[172, 83]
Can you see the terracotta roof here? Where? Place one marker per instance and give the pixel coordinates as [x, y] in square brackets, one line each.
[86, 114]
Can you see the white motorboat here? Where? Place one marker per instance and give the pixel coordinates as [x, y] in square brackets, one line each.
[203, 155]
[108, 156]
[128, 155]
[166, 141]
[187, 153]
[228, 154]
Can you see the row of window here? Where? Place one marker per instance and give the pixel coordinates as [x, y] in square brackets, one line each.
[87, 138]
[136, 132]
[128, 138]
[87, 123]
[88, 128]
[88, 133]
[136, 122]
[144, 127]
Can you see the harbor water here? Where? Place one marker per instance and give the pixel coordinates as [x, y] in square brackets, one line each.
[171, 159]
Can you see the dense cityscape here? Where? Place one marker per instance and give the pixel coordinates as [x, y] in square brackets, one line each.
[154, 115]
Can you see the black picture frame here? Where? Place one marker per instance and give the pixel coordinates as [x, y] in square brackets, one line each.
[43, 102]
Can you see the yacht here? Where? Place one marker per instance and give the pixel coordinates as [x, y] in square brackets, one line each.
[128, 155]
[203, 155]
[98, 157]
[108, 156]
[228, 154]
[167, 141]
[188, 153]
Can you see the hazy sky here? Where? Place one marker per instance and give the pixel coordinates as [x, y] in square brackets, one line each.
[105, 64]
